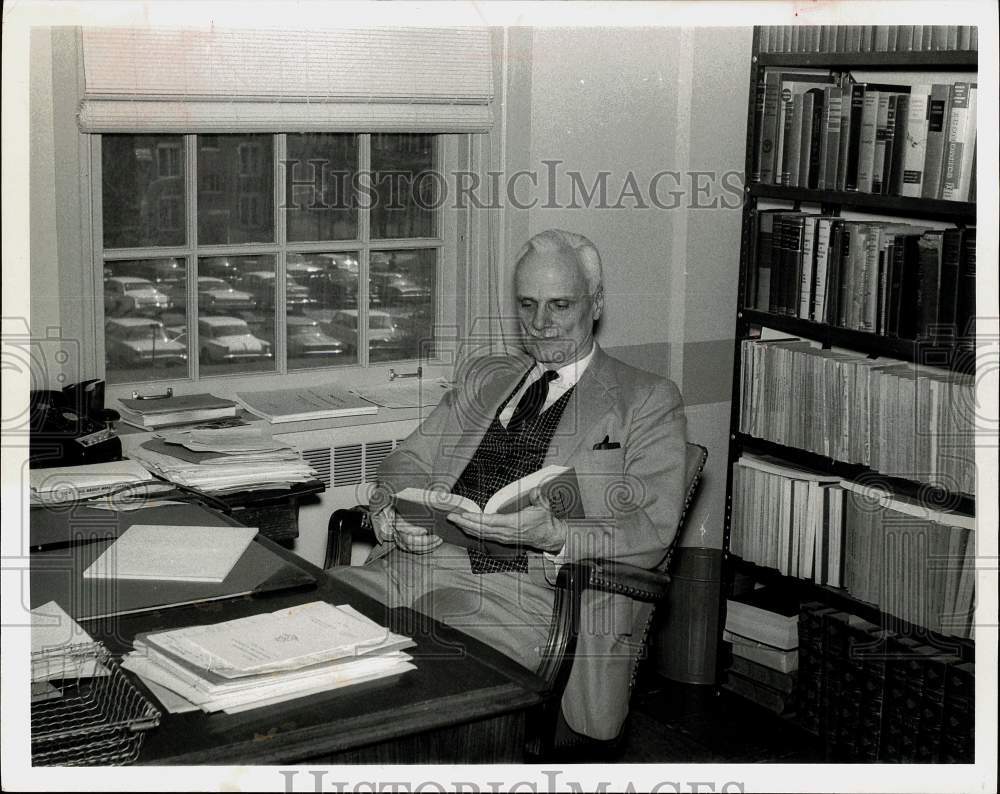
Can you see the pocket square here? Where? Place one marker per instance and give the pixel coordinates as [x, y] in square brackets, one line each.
[606, 444]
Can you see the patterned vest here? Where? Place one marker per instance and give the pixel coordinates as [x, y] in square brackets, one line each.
[504, 456]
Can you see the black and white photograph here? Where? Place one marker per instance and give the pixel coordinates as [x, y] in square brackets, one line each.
[500, 397]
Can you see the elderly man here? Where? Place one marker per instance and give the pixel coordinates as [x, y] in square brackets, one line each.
[565, 402]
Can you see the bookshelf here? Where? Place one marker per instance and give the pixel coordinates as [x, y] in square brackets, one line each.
[881, 353]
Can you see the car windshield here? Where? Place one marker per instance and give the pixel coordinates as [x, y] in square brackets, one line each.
[142, 332]
[236, 329]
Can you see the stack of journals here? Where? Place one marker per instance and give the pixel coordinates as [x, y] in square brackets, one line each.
[763, 630]
[75, 483]
[149, 414]
[265, 659]
[817, 130]
[294, 405]
[897, 418]
[220, 461]
[789, 519]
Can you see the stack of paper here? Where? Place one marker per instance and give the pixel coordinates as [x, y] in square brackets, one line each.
[166, 411]
[294, 405]
[225, 460]
[75, 483]
[172, 553]
[264, 659]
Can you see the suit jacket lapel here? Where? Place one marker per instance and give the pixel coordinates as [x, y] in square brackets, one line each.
[591, 400]
[476, 417]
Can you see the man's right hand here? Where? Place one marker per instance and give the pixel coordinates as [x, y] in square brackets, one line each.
[389, 526]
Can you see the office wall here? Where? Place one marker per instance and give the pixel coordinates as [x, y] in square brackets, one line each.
[634, 104]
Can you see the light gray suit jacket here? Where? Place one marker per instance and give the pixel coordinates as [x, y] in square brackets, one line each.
[632, 495]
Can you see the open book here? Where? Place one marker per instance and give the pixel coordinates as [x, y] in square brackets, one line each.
[430, 509]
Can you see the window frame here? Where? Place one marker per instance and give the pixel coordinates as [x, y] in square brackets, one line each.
[451, 154]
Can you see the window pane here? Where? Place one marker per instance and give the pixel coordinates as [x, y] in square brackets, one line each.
[236, 314]
[321, 289]
[142, 190]
[405, 187]
[235, 189]
[145, 320]
[401, 322]
[319, 178]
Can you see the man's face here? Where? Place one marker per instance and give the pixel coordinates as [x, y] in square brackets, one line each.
[556, 313]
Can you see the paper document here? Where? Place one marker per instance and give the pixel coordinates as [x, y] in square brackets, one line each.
[251, 438]
[173, 553]
[74, 483]
[409, 393]
[283, 640]
[291, 405]
[52, 629]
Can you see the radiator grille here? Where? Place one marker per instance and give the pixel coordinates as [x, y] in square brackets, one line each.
[375, 453]
[319, 459]
[347, 468]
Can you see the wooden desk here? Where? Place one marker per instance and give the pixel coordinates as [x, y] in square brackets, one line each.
[464, 703]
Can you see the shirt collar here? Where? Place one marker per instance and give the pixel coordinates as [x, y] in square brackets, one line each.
[569, 374]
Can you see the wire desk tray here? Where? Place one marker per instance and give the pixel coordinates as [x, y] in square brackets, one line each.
[84, 709]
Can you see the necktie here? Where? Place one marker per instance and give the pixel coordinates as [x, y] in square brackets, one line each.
[532, 401]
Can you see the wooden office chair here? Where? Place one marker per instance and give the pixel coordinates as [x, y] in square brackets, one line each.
[554, 737]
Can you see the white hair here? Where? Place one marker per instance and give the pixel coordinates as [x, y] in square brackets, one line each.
[586, 253]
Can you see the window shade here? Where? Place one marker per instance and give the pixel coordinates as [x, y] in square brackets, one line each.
[383, 80]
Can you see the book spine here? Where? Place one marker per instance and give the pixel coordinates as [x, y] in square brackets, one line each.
[954, 149]
[824, 227]
[811, 179]
[937, 131]
[793, 272]
[844, 274]
[965, 180]
[758, 125]
[951, 254]
[808, 269]
[769, 132]
[778, 246]
[882, 126]
[854, 137]
[791, 142]
[805, 138]
[965, 302]
[929, 246]
[866, 148]
[916, 142]
[765, 257]
[832, 111]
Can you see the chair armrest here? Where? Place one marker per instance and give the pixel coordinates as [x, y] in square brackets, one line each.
[625, 579]
[345, 527]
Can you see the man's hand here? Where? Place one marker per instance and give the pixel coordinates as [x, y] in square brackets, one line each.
[389, 525]
[534, 526]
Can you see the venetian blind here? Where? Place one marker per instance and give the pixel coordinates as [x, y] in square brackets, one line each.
[371, 80]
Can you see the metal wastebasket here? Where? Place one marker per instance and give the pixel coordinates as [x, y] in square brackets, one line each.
[686, 643]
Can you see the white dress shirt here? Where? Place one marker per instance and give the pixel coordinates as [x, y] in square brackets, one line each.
[566, 378]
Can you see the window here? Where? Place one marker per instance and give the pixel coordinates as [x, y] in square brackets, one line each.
[272, 253]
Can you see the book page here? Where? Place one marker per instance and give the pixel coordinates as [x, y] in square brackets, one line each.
[516, 495]
[437, 500]
[172, 553]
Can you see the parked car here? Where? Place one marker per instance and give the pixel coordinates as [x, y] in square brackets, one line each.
[138, 341]
[335, 287]
[394, 288]
[216, 295]
[164, 273]
[126, 295]
[303, 271]
[308, 339]
[261, 283]
[229, 339]
[383, 334]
